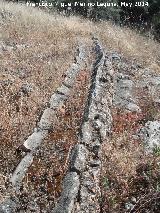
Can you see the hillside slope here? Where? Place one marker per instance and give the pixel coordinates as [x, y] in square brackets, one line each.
[36, 49]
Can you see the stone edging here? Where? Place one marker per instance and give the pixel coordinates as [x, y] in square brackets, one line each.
[46, 123]
[81, 188]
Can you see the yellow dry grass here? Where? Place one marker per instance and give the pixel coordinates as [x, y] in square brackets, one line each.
[130, 44]
[37, 48]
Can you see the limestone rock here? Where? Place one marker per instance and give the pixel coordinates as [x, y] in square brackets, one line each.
[150, 135]
[70, 191]
[123, 93]
[9, 206]
[78, 158]
[151, 81]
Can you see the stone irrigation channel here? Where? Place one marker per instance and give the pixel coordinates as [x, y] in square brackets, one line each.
[81, 188]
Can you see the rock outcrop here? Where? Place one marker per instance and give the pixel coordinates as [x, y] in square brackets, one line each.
[123, 93]
[150, 136]
[151, 81]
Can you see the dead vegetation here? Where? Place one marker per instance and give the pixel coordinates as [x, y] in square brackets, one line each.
[130, 176]
[43, 182]
[36, 49]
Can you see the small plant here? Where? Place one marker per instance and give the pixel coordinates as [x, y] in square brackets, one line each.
[158, 186]
[112, 201]
[156, 151]
[106, 183]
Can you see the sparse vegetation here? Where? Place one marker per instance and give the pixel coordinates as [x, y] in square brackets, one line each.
[36, 48]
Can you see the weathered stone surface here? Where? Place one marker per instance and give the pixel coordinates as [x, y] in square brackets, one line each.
[88, 204]
[72, 71]
[152, 82]
[69, 81]
[9, 206]
[150, 135]
[123, 94]
[57, 100]
[35, 139]
[116, 56]
[78, 158]
[96, 125]
[95, 163]
[48, 119]
[31, 143]
[64, 90]
[95, 146]
[20, 171]
[89, 191]
[81, 54]
[86, 133]
[131, 106]
[95, 128]
[70, 191]
[26, 89]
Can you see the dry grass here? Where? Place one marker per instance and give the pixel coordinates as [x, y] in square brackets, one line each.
[130, 44]
[130, 176]
[36, 48]
[43, 181]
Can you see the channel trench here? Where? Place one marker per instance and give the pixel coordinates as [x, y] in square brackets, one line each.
[81, 187]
